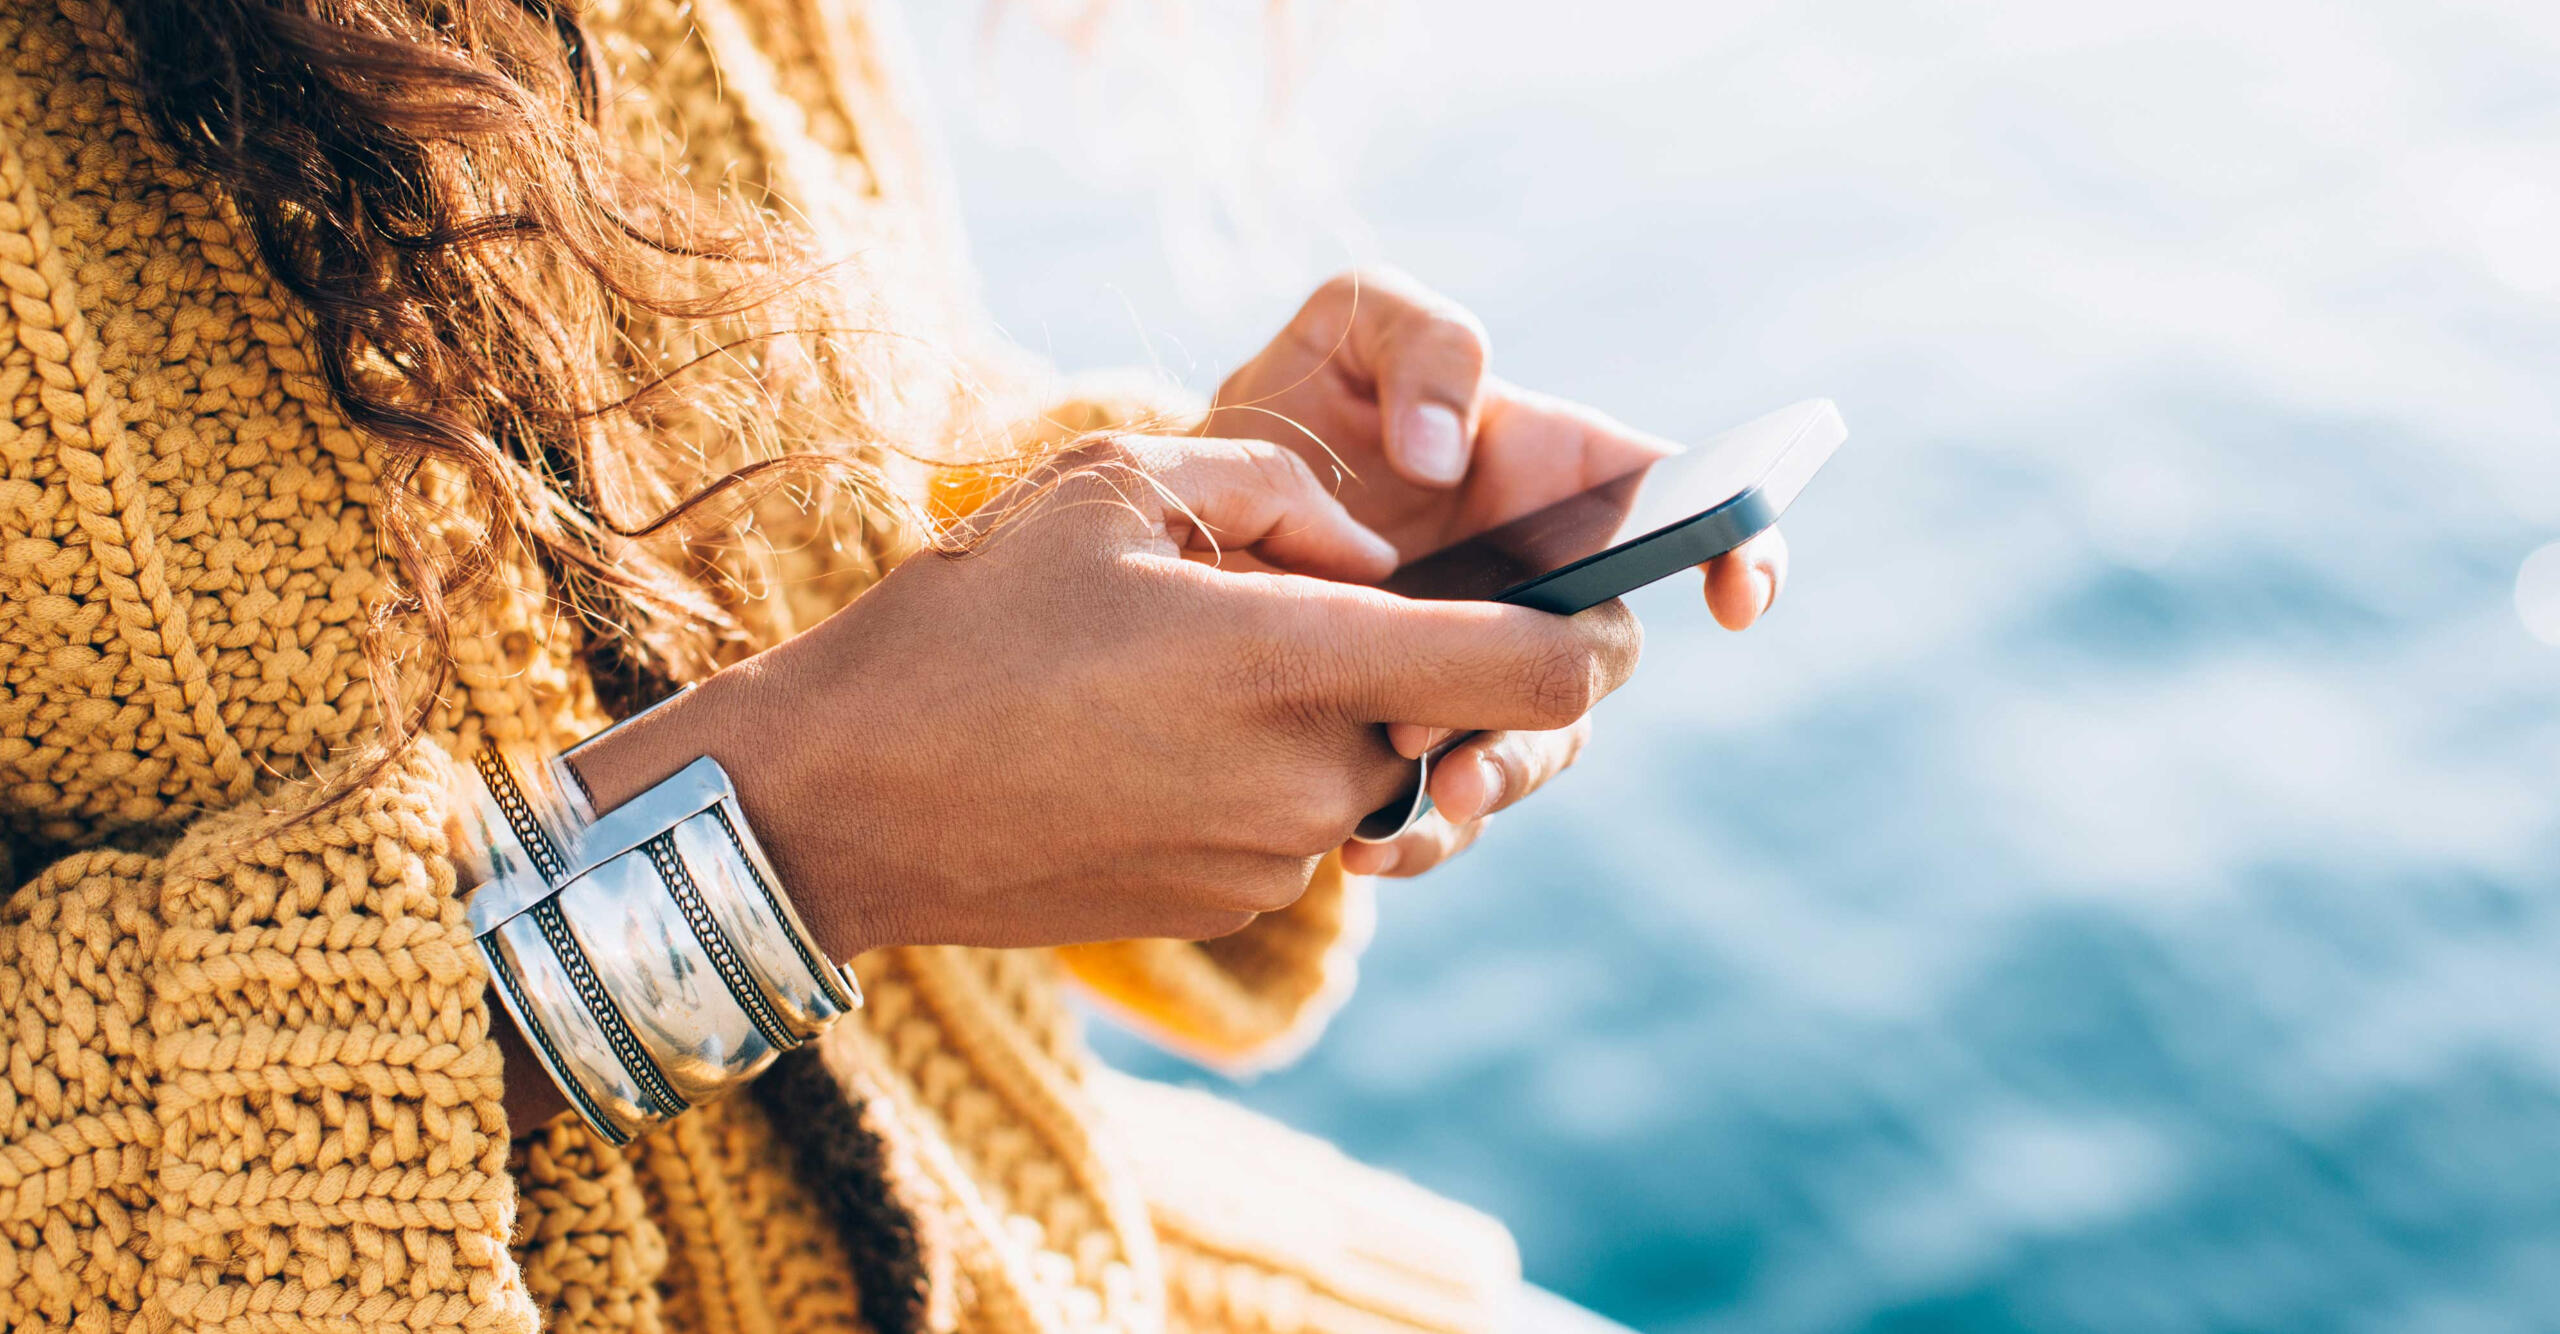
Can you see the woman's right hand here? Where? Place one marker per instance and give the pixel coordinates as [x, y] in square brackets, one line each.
[1082, 729]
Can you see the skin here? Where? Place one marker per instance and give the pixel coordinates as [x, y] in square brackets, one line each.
[1157, 691]
[1354, 384]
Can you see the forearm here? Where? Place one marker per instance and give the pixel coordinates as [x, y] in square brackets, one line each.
[731, 719]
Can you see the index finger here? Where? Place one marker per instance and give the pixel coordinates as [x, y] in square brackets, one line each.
[1463, 665]
[1424, 353]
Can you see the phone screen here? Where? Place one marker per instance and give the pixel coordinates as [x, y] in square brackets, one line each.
[1537, 543]
[1680, 510]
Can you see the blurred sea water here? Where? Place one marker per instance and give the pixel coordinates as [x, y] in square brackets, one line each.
[2115, 890]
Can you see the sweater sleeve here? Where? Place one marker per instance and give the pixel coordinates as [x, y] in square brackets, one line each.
[250, 1081]
[1246, 1001]
[1251, 999]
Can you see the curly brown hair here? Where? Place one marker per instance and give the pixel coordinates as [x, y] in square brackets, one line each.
[479, 254]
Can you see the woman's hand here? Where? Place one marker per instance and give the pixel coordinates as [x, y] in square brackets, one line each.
[1082, 729]
[1382, 383]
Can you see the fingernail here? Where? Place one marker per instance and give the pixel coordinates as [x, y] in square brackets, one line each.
[1768, 581]
[1435, 443]
[1495, 781]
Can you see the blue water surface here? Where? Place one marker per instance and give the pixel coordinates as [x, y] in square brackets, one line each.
[2115, 890]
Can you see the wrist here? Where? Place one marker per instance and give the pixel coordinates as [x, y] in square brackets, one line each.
[647, 950]
[732, 718]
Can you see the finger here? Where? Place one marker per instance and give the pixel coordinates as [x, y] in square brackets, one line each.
[1487, 773]
[1533, 449]
[1430, 842]
[1426, 355]
[1589, 445]
[1412, 740]
[1256, 497]
[1370, 858]
[1744, 583]
[1466, 666]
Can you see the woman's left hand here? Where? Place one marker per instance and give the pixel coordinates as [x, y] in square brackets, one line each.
[1383, 383]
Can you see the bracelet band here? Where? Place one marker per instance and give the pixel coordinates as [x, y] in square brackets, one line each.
[648, 953]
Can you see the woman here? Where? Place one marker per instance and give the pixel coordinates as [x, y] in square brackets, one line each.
[399, 392]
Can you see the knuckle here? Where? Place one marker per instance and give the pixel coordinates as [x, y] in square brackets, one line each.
[1560, 682]
[1102, 468]
[1617, 641]
[1379, 283]
[1102, 451]
[1327, 314]
[1374, 291]
[1456, 333]
[1280, 469]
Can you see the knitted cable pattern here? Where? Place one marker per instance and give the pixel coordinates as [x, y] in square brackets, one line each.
[249, 1084]
[316, 1017]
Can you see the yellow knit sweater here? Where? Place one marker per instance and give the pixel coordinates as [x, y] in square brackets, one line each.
[249, 1080]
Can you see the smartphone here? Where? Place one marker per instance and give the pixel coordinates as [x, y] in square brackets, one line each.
[1682, 510]
[1675, 513]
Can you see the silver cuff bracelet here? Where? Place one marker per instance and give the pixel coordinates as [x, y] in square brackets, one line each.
[648, 953]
